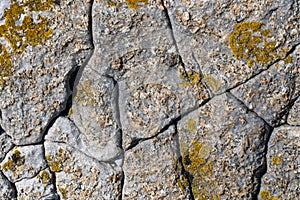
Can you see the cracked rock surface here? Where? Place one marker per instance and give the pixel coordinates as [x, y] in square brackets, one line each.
[149, 99]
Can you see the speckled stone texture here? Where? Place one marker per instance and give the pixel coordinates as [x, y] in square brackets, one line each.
[37, 89]
[282, 177]
[149, 169]
[79, 176]
[149, 99]
[222, 147]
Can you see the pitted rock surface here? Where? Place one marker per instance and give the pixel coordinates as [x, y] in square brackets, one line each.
[149, 99]
[149, 172]
[218, 166]
[38, 187]
[283, 164]
[79, 176]
[37, 88]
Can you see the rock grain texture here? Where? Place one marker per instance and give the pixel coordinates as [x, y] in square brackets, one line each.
[149, 99]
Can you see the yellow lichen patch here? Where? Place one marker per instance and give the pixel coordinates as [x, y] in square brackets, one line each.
[276, 159]
[190, 125]
[196, 162]
[265, 195]
[211, 82]
[5, 64]
[190, 78]
[15, 160]
[136, 3]
[55, 162]
[45, 177]
[18, 34]
[63, 192]
[70, 112]
[249, 41]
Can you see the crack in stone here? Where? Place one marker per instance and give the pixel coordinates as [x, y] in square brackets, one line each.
[183, 171]
[73, 77]
[293, 48]
[248, 109]
[12, 185]
[259, 172]
[1, 130]
[286, 111]
[180, 60]
[173, 121]
[116, 113]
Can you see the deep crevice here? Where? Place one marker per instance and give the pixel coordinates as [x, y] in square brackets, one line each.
[122, 185]
[1, 130]
[260, 171]
[183, 172]
[72, 79]
[55, 190]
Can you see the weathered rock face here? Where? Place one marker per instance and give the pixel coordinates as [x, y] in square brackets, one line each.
[39, 187]
[35, 86]
[149, 99]
[222, 147]
[230, 42]
[7, 190]
[150, 169]
[79, 176]
[23, 162]
[282, 177]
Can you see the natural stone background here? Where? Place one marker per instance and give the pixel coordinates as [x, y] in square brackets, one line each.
[149, 99]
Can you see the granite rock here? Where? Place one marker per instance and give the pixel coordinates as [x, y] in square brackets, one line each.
[294, 114]
[52, 41]
[270, 93]
[149, 99]
[7, 191]
[79, 176]
[281, 180]
[23, 162]
[222, 146]
[150, 169]
[5, 145]
[65, 131]
[203, 31]
[38, 187]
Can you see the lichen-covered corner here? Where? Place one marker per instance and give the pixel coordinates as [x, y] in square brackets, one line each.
[20, 30]
[42, 43]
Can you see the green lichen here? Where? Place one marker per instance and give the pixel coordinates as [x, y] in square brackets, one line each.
[14, 161]
[18, 34]
[265, 195]
[55, 162]
[250, 42]
[196, 162]
[45, 177]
